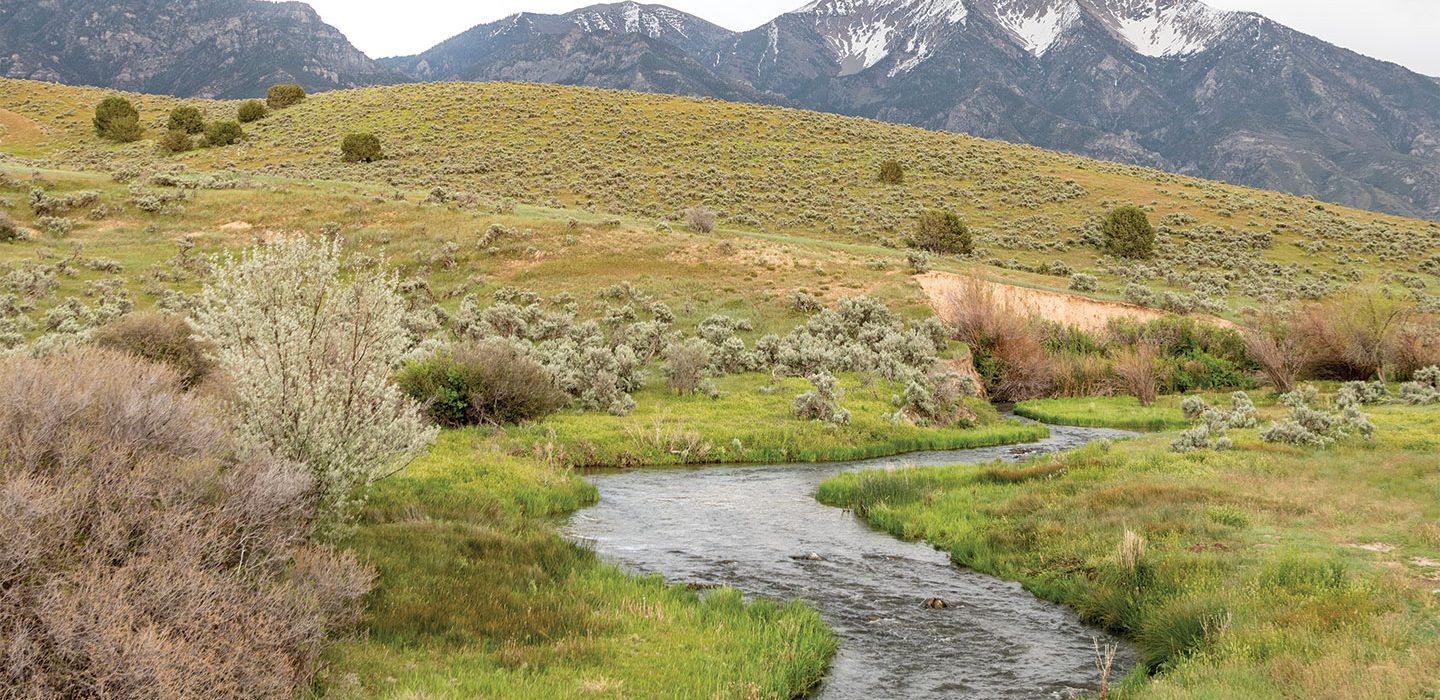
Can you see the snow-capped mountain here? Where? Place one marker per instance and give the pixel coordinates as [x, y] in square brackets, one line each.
[484, 52]
[1159, 28]
[861, 33]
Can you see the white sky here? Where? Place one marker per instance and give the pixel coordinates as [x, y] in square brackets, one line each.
[1403, 31]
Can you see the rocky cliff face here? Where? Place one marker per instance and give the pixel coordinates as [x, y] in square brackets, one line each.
[208, 48]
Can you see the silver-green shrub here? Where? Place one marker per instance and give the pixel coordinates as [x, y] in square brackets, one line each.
[309, 357]
[823, 402]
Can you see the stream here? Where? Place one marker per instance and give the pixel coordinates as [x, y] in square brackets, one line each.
[755, 527]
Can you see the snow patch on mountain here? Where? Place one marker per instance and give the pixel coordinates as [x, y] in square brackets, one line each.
[631, 18]
[1159, 28]
[861, 33]
[1037, 28]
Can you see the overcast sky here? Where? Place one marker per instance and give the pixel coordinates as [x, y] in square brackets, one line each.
[1403, 31]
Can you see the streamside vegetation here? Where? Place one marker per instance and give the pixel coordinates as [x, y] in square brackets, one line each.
[1262, 568]
[147, 549]
[227, 487]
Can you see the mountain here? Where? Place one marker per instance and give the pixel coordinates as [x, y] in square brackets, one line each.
[1173, 84]
[629, 46]
[206, 48]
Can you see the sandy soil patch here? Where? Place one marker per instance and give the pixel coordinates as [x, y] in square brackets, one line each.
[1376, 547]
[1091, 315]
[19, 129]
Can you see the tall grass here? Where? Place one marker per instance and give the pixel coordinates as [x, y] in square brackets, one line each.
[478, 596]
[1121, 412]
[752, 423]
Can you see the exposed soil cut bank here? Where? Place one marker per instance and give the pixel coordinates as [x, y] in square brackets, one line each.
[1090, 315]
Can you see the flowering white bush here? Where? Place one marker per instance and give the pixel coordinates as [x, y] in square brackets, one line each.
[309, 356]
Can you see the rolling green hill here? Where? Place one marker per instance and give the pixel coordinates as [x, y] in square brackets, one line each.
[778, 171]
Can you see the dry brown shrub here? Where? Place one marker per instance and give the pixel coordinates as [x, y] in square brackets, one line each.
[1275, 340]
[1137, 371]
[1417, 346]
[1008, 349]
[700, 219]
[164, 338]
[1355, 337]
[140, 557]
[1082, 375]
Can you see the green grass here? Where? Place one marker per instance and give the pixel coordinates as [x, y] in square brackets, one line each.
[1122, 412]
[752, 423]
[479, 596]
[1266, 571]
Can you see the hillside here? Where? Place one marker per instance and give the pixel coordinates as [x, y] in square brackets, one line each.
[1176, 84]
[771, 170]
[1172, 84]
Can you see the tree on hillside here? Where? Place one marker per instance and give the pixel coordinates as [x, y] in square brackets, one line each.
[361, 148]
[942, 232]
[250, 111]
[186, 120]
[116, 119]
[1128, 234]
[223, 133]
[282, 96]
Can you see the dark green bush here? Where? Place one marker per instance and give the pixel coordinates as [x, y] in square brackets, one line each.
[117, 120]
[892, 173]
[1178, 336]
[1197, 370]
[175, 141]
[481, 384]
[942, 232]
[223, 133]
[250, 111]
[360, 148]
[1128, 234]
[187, 120]
[165, 339]
[282, 96]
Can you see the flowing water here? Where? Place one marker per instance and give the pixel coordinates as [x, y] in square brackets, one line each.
[755, 529]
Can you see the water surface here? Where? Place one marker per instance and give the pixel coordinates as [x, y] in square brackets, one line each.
[756, 527]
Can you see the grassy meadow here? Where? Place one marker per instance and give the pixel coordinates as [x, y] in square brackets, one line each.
[1262, 571]
[750, 422]
[1125, 412]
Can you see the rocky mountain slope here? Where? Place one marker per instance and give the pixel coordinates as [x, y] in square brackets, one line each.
[206, 48]
[622, 46]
